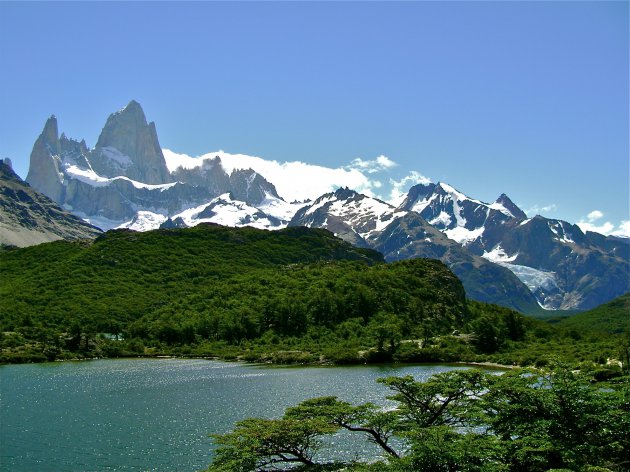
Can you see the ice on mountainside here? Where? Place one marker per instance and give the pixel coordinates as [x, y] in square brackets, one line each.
[145, 221]
[128, 181]
[498, 255]
[464, 236]
[118, 157]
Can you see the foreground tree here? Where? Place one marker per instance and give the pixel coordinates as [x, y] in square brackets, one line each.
[469, 421]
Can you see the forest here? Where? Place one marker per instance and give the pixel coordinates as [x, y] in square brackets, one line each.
[297, 295]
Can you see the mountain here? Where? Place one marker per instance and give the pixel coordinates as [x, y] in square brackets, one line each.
[28, 217]
[128, 181]
[612, 317]
[299, 293]
[565, 268]
[129, 146]
[126, 175]
[399, 234]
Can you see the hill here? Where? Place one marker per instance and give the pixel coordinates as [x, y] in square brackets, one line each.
[28, 217]
[612, 317]
[293, 295]
[211, 283]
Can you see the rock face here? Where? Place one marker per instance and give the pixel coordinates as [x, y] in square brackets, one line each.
[562, 266]
[28, 217]
[44, 171]
[251, 187]
[128, 146]
[501, 255]
[125, 177]
[400, 234]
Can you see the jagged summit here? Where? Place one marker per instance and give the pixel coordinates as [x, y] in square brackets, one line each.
[44, 173]
[129, 146]
[345, 193]
[511, 207]
[125, 181]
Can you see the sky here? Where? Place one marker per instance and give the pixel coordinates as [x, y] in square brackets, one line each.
[530, 99]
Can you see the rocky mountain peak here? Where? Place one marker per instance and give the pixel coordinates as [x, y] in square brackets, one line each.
[6, 170]
[345, 193]
[129, 146]
[249, 186]
[44, 169]
[418, 192]
[50, 134]
[510, 206]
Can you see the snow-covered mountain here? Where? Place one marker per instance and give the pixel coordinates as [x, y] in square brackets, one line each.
[400, 234]
[126, 181]
[270, 213]
[461, 218]
[502, 256]
[562, 266]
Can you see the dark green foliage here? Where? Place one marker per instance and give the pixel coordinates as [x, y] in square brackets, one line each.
[459, 421]
[200, 287]
[612, 317]
[293, 296]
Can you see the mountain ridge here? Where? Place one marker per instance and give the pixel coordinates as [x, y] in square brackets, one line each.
[562, 267]
[28, 217]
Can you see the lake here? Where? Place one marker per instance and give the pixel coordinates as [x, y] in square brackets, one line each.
[156, 414]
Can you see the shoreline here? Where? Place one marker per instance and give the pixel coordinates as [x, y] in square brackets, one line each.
[485, 364]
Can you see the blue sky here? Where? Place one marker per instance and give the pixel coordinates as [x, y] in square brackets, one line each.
[526, 98]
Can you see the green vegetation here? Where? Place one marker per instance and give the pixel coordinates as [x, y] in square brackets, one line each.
[293, 296]
[456, 421]
[612, 317]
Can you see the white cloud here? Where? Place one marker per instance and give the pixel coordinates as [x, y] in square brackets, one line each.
[400, 187]
[623, 230]
[607, 228]
[594, 216]
[380, 164]
[293, 180]
[539, 210]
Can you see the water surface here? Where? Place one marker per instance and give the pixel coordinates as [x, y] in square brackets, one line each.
[156, 414]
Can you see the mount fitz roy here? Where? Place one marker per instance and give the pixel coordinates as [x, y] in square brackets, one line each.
[500, 255]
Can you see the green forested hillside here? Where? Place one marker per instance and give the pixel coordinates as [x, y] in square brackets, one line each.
[124, 275]
[612, 317]
[296, 295]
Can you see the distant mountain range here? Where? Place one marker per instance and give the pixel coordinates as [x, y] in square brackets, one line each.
[500, 255]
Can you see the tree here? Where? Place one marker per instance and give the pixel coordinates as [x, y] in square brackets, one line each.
[458, 421]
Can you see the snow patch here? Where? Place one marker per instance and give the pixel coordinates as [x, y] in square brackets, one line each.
[278, 208]
[144, 221]
[498, 255]
[443, 218]
[113, 154]
[88, 176]
[420, 205]
[457, 195]
[499, 207]
[558, 229]
[227, 212]
[464, 236]
[99, 221]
